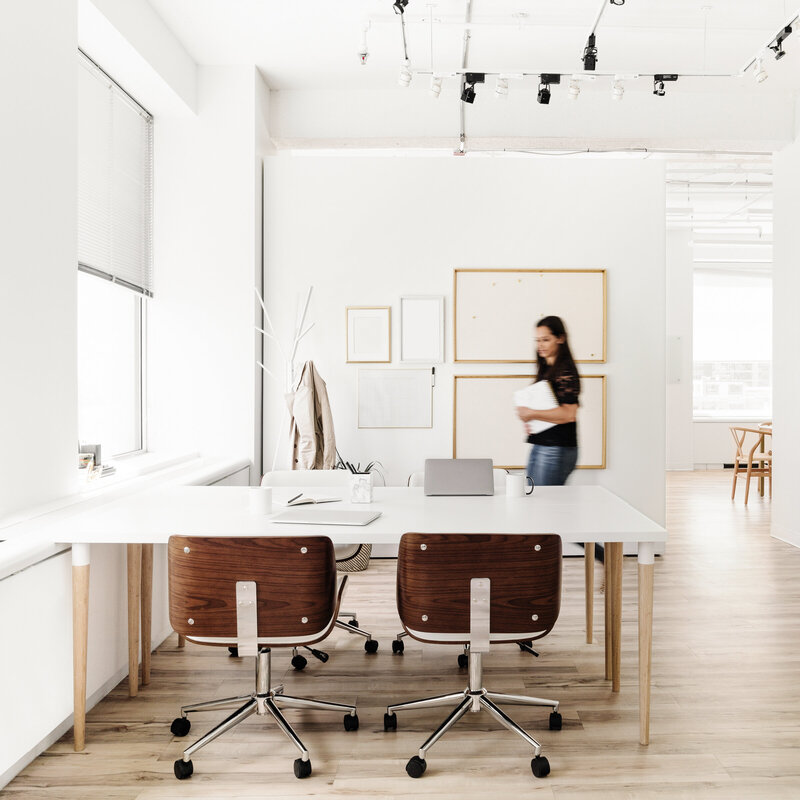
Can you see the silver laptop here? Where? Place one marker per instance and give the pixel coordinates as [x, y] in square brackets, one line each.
[466, 476]
[326, 516]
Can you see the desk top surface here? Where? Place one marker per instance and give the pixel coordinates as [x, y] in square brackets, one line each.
[577, 513]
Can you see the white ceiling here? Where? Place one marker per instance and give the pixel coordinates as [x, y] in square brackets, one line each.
[302, 44]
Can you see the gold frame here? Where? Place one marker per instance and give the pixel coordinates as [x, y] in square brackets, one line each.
[347, 311]
[602, 465]
[458, 360]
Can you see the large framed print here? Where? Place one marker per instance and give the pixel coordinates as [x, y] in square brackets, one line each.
[485, 424]
[495, 311]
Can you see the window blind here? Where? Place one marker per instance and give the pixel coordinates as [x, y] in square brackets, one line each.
[115, 182]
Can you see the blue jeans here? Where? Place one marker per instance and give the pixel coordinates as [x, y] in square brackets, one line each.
[551, 466]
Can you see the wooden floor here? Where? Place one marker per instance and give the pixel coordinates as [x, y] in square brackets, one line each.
[725, 704]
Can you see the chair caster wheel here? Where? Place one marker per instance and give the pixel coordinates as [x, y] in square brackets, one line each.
[183, 769]
[555, 721]
[302, 769]
[540, 767]
[416, 767]
[524, 644]
[234, 651]
[463, 661]
[390, 722]
[398, 646]
[180, 727]
[351, 722]
[299, 662]
[371, 646]
[353, 623]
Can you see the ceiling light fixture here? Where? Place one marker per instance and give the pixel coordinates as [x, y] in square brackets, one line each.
[617, 89]
[470, 79]
[545, 79]
[501, 88]
[777, 44]
[436, 86]
[363, 52]
[405, 76]
[760, 73]
[658, 83]
[590, 54]
[574, 89]
[399, 6]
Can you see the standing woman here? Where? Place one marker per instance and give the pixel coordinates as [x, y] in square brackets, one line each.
[555, 450]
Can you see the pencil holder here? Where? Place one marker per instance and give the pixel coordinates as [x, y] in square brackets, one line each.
[361, 488]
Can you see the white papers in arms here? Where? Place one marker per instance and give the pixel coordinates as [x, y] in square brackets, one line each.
[539, 397]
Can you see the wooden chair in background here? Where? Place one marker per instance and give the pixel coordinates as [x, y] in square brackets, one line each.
[752, 458]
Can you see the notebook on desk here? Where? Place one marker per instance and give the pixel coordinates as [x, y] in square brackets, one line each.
[326, 516]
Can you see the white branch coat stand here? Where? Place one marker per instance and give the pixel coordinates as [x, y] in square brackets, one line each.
[288, 361]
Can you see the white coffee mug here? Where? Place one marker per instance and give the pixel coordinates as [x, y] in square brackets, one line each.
[260, 500]
[515, 485]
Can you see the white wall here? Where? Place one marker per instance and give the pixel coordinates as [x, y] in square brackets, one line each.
[201, 346]
[786, 335]
[364, 231]
[38, 254]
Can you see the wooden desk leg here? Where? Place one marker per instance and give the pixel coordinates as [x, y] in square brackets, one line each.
[615, 590]
[80, 633]
[646, 569]
[147, 609]
[181, 641]
[134, 595]
[588, 557]
[607, 611]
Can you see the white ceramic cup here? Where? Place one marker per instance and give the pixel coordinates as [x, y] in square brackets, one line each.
[260, 499]
[515, 485]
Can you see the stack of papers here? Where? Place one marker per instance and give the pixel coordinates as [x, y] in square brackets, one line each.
[539, 397]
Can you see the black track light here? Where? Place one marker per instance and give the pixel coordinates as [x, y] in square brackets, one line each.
[777, 45]
[658, 83]
[468, 94]
[590, 54]
[543, 96]
[399, 6]
[470, 79]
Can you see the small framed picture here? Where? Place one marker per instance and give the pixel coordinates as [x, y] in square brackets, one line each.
[422, 328]
[369, 334]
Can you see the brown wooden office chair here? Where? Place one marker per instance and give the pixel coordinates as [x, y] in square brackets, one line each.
[255, 594]
[751, 460]
[473, 589]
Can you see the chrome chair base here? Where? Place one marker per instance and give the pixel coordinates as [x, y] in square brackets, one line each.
[263, 701]
[474, 698]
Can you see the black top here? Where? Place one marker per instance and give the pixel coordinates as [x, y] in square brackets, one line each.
[566, 387]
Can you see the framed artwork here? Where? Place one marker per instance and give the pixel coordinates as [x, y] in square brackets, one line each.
[369, 334]
[495, 311]
[422, 329]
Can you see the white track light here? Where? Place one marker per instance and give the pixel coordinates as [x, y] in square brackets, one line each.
[617, 89]
[404, 78]
[501, 88]
[760, 73]
[574, 89]
[436, 86]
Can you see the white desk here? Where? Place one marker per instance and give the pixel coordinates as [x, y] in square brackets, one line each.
[577, 513]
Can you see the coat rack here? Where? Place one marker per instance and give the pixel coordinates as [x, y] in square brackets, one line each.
[288, 361]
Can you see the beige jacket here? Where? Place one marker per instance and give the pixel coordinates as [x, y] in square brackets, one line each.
[311, 434]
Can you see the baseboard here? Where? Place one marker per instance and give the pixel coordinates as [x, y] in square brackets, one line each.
[54, 735]
[785, 534]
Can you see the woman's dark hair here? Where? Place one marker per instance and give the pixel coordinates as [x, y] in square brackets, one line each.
[564, 361]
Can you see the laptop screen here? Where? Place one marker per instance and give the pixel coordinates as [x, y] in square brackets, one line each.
[459, 476]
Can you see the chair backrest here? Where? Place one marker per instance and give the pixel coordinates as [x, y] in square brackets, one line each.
[295, 580]
[307, 477]
[433, 584]
[739, 434]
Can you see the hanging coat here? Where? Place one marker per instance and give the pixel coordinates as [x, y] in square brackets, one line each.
[311, 435]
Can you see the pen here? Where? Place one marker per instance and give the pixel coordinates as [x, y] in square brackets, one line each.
[294, 498]
[433, 376]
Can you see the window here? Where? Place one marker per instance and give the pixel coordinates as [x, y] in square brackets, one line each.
[115, 164]
[732, 344]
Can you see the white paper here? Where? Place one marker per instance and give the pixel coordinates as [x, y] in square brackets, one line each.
[539, 397]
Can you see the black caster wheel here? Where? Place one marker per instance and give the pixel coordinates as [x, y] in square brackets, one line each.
[299, 662]
[351, 722]
[555, 721]
[183, 769]
[463, 661]
[390, 722]
[234, 651]
[416, 767]
[398, 645]
[180, 727]
[522, 645]
[302, 769]
[353, 623]
[371, 646]
[540, 767]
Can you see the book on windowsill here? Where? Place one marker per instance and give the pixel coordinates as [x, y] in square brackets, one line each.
[304, 500]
